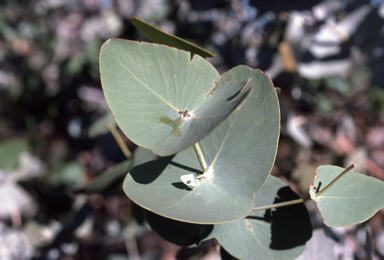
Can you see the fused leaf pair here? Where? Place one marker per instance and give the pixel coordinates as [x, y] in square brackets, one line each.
[164, 101]
[161, 99]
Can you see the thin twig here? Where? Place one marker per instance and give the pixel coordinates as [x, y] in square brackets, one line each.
[335, 180]
[120, 141]
[292, 202]
[282, 204]
[130, 242]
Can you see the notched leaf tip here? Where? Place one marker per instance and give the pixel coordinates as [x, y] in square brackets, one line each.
[191, 56]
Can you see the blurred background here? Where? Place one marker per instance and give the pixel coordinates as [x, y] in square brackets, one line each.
[327, 57]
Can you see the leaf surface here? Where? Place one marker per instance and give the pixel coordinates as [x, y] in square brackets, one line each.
[240, 154]
[279, 233]
[161, 99]
[353, 199]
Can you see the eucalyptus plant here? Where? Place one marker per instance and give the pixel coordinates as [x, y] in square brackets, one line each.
[216, 139]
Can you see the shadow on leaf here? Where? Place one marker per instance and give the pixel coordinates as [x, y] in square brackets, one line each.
[180, 233]
[192, 170]
[148, 172]
[180, 185]
[290, 225]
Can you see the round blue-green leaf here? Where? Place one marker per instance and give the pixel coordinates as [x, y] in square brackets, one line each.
[353, 199]
[161, 99]
[240, 154]
[279, 233]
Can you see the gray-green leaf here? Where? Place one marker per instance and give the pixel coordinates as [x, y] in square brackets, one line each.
[240, 154]
[161, 99]
[354, 198]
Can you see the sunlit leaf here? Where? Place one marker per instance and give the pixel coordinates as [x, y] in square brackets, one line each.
[161, 99]
[279, 233]
[240, 154]
[353, 199]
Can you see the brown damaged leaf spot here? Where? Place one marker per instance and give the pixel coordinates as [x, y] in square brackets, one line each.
[249, 225]
[213, 89]
[175, 124]
[184, 114]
